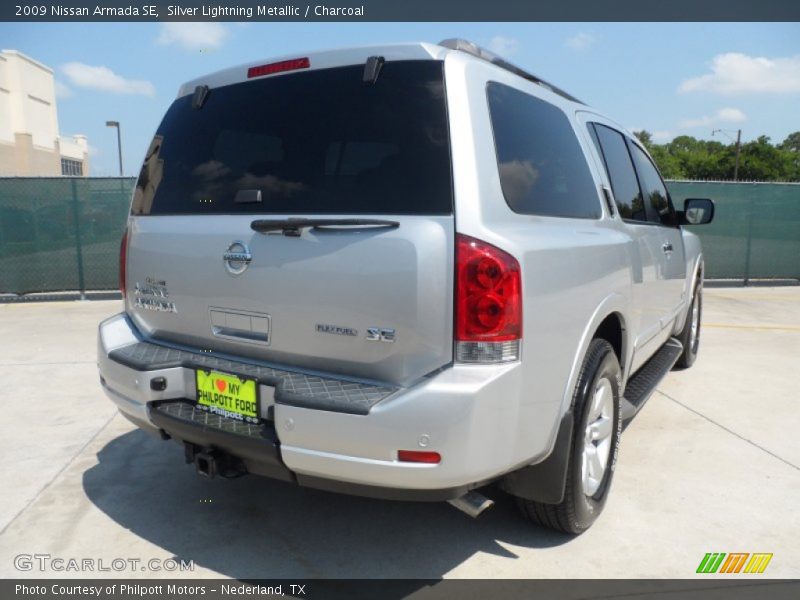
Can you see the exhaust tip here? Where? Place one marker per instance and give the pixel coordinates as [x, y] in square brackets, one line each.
[472, 503]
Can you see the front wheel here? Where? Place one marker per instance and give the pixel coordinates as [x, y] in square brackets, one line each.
[594, 444]
[690, 335]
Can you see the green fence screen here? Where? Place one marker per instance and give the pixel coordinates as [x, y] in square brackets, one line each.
[756, 229]
[62, 233]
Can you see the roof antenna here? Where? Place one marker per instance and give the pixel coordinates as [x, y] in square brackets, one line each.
[200, 96]
[372, 69]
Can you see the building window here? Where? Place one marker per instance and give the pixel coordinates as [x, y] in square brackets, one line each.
[72, 168]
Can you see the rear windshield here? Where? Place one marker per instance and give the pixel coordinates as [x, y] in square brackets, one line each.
[308, 142]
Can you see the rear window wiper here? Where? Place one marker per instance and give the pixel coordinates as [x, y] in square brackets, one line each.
[293, 227]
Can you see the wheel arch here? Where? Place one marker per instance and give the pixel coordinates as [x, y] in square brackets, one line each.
[612, 329]
[545, 481]
[698, 272]
[608, 320]
[694, 276]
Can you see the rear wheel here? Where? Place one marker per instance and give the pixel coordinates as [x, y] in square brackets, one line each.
[690, 335]
[594, 444]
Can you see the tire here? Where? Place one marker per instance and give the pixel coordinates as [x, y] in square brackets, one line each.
[689, 338]
[584, 495]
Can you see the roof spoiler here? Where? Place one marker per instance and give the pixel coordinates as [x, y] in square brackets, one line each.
[484, 54]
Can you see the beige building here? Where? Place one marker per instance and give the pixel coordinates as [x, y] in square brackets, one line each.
[29, 141]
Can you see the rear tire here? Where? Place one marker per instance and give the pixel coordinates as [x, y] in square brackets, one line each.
[690, 335]
[594, 444]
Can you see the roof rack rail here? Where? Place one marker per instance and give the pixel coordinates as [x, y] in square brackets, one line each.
[482, 53]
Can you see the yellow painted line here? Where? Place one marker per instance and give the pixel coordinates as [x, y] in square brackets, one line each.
[779, 298]
[752, 327]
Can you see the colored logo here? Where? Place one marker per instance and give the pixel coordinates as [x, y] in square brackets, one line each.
[734, 562]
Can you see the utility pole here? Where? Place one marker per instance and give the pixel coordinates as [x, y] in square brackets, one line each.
[738, 149]
[119, 142]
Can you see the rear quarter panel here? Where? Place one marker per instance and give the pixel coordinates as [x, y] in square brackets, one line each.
[575, 271]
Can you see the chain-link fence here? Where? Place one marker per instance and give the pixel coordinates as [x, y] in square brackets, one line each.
[63, 233]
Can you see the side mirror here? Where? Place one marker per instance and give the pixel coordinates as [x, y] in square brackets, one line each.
[696, 211]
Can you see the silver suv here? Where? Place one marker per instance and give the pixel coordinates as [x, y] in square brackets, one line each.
[405, 272]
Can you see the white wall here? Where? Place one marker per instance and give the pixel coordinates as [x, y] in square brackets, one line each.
[7, 117]
[28, 106]
[74, 147]
[33, 91]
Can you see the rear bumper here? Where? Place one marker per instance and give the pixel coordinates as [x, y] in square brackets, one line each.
[257, 446]
[467, 413]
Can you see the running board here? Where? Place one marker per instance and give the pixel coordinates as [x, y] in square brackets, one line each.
[644, 382]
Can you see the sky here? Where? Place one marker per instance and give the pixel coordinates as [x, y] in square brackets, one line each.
[668, 78]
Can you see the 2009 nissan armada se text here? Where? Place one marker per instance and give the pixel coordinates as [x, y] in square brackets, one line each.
[404, 272]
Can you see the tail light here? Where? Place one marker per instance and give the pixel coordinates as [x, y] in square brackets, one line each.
[488, 303]
[123, 261]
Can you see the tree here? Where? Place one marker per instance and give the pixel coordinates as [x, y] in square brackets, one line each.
[645, 137]
[669, 165]
[686, 157]
[791, 143]
[791, 149]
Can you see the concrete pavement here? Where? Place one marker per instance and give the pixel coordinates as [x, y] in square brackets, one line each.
[711, 464]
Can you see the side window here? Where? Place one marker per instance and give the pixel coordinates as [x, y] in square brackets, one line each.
[657, 198]
[611, 146]
[543, 170]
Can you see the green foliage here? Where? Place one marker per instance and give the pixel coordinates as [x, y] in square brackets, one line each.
[688, 158]
[645, 137]
[791, 143]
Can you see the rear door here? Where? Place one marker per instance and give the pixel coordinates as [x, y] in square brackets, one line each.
[371, 301]
[645, 264]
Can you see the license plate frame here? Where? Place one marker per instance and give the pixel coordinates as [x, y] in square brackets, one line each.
[242, 402]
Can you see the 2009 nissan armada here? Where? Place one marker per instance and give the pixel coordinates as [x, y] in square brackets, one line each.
[405, 272]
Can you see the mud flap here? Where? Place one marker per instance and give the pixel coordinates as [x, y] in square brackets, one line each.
[545, 481]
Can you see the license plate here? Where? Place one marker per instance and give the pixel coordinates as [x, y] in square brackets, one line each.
[227, 395]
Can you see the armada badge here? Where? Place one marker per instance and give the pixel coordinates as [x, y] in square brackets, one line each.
[153, 294]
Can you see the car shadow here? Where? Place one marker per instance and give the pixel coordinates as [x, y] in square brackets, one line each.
[253, 527]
